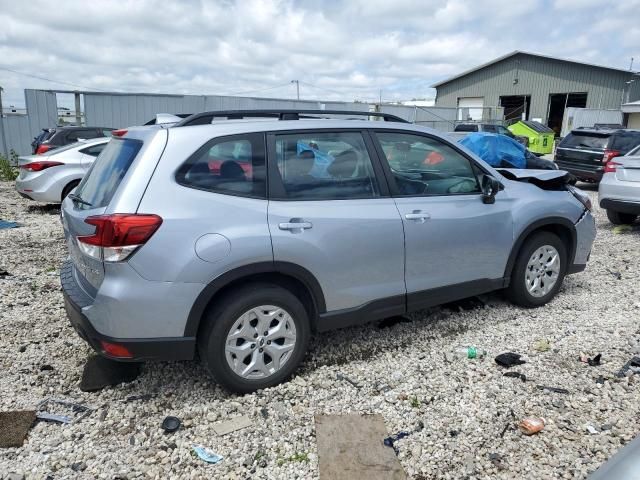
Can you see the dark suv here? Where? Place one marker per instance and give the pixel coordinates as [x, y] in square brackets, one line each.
[585, 151]
[52, 138]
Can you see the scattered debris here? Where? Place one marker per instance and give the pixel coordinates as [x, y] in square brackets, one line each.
[14, 427]
[592, 430]
[509, 359]
[5, 224]
[4, 273]
[618, 229]
[45, 368]
[143, 397]
[78, 411]
[206, 454]
[496, 460]
[593, 362]
[341, 376]
[531, 425]
[393, 321]
[228, 426]
[616, 274]
[606, 426]
[390, 440]
[542, 345]
[100, 372]
[349, 446]
[382, 388]
[600, 380]
[552, 389]
[171, 424]
[472, 352]
[519, 375]
[632, 365]
[454, 433]
[78, 466]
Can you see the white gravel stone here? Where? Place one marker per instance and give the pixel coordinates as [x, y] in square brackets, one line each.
[465, 404]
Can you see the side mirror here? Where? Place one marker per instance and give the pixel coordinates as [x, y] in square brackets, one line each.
[490, 188]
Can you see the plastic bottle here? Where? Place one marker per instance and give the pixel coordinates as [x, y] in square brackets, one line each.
[472, 352]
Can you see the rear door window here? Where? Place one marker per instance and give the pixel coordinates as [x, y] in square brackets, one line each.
[324, 166]
[585, 141]
[465, 127]
[233, 165]
[625, 142]
[106, 173]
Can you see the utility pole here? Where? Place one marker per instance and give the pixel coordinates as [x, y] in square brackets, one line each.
[631, 66]
[297, 82]
[78, 113]
[2, 132]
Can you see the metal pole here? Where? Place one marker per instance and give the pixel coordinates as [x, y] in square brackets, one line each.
[2, 132]
[78, 114]
[297, 82]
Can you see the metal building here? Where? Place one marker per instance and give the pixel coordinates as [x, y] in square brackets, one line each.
[537, 87]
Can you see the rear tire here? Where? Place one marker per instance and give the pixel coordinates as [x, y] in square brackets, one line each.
[232, 340]
[536, 278]
[619, 218]
[67, 190]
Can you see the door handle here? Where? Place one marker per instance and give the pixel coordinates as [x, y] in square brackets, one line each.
[295, 225]
[418, 216]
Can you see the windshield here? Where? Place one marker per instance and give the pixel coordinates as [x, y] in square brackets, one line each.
[106, 173]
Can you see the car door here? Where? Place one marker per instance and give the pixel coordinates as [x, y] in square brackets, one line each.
[455, 244]
[330, 213]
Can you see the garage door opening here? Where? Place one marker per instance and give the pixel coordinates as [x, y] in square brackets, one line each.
[558, 102]
[470, 108]
[515, 106]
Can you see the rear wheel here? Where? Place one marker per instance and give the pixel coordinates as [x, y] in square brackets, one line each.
[539, 270]
[254, 338]
[67, 190]
[619, 218]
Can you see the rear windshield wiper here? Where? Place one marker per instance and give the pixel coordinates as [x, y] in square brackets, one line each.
[76, 198]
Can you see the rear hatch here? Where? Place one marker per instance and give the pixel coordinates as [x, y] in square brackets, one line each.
[582, 150]
[627, 168]
[92, 197]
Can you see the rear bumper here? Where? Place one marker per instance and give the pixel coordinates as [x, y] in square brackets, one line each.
[622, 206]
[594, 174]
[141, 349]
[619, 195]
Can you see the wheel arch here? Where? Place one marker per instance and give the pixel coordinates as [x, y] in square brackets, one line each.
[560, 226]
[293, 277]
[68, 187]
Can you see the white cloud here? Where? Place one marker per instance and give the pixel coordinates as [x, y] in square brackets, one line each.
[338, 50]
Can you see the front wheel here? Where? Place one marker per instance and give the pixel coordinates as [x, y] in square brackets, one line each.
[539, 270]
[619, 218]
[254, 338]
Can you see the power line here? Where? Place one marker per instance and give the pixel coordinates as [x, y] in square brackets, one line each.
[50, 80]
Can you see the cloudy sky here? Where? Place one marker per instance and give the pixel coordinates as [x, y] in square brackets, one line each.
[337, 50]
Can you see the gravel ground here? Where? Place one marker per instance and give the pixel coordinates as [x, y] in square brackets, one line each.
[405, 372]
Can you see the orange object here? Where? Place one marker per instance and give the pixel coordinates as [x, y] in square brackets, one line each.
[531, 425]
[433, 158]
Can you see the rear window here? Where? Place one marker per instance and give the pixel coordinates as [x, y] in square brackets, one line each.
[465, 128]
[585, 140]
[625, 142]
[106, 173]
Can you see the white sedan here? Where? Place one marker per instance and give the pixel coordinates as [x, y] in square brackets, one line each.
[50, 178]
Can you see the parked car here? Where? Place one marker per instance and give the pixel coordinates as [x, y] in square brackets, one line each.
[502, 151]
[585, 151]
[168, 257]
[51, 176]
[52, 138]
[490, 128]
[619, 189]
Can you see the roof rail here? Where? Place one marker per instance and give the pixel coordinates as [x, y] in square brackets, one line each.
[205, 118]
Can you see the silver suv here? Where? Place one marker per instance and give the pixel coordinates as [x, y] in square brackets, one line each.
[239, 238]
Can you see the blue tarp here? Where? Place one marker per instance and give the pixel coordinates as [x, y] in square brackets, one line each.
[321, 162]
[497, 150]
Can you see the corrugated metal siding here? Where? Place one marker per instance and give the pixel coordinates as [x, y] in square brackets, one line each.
[588, 117]
[539, 78]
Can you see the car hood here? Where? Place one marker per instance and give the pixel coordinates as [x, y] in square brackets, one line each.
[545, 179]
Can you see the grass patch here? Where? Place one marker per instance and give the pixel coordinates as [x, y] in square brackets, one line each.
[7, 170]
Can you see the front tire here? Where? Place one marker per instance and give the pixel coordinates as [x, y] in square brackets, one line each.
[539, 270]
[619, 218]
[254, 338]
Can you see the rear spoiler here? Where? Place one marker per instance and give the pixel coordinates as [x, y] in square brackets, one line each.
[544, 179]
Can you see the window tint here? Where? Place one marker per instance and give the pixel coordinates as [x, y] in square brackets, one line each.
[585, 140]
[466, 127]
[316, 166]
[625, 142]
[74, 135]
[230, 165]
[635, 151]
[491, 129]
[105, 132]
[106, 173]
[427, 166]
[94, 150]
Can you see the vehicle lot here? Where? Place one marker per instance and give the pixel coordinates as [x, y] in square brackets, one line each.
[464, 404]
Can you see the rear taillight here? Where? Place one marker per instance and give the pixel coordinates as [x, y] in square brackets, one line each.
[115, 350]
[610, 154]
[43, 148]
[119, 133]
[118, 235]
[39, 166]
[611, 166]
